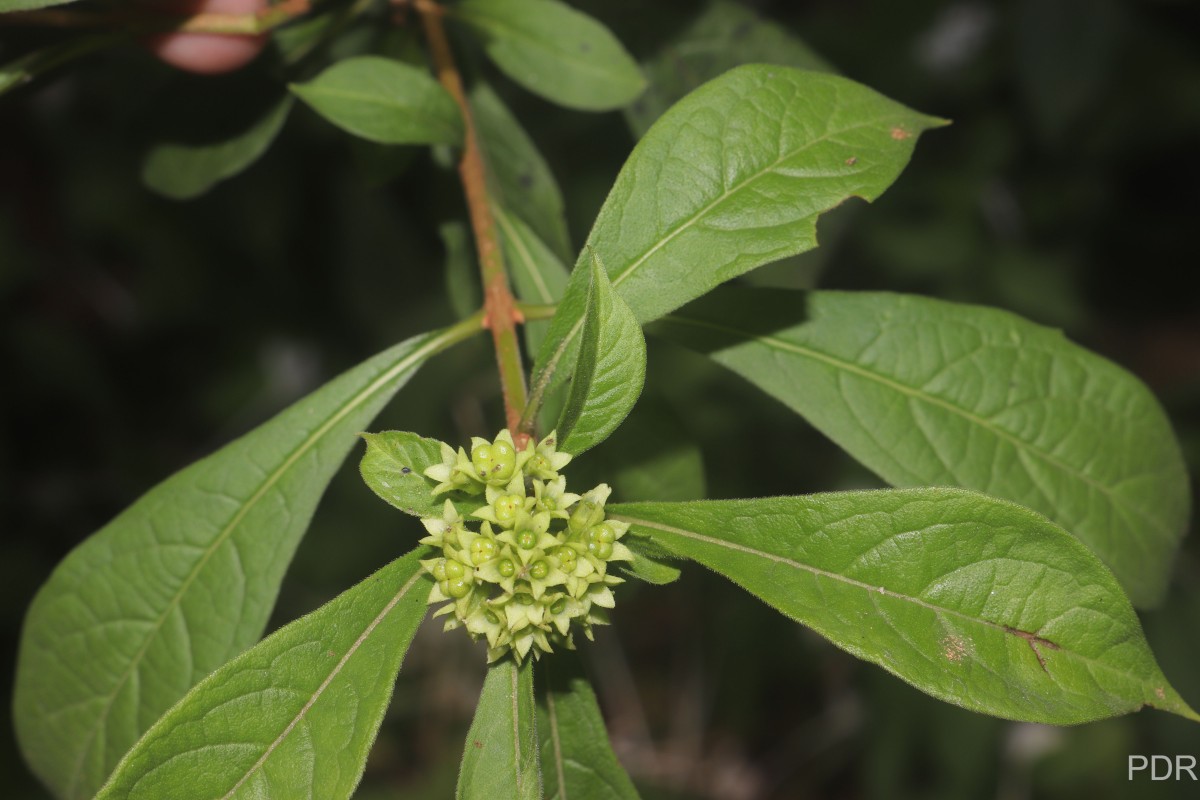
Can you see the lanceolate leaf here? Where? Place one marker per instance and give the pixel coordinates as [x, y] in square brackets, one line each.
[555, 51]
[730, 178]
[294, 716]
[184, 579]
[500, 759]
[394, 467]
[577, 759]
[928, 392]
[975, 600]
[609, 374]
[519, 178]
[385, 101]
[185, 168]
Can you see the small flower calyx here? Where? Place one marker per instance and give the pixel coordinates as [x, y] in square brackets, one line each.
[530, 566]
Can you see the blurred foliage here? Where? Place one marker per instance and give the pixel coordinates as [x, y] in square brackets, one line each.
[138, 333]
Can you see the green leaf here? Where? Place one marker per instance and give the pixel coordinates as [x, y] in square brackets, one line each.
[649, 567]
[928, 392]
[725, 35]
[385, 101]
[577, 759]
[500, 759]
[734, 176]
[538, 275]
[394, 465]
[609, 373]
[187, 166]
[519, 178]
[28, 5]
[555, 51]
[184, 579]
[977, 601]
[294, 716]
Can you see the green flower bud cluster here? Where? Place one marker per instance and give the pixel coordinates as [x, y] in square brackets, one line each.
[529, 567]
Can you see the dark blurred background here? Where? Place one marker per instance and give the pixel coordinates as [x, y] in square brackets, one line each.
[139, 333]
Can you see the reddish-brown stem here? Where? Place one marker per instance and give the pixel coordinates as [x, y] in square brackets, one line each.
[500, 313]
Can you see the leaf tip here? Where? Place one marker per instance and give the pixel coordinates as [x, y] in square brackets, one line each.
[1167, 699]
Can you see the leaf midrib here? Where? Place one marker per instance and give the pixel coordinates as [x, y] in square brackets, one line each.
[391, 102]
[729, 192]
[388, 103]
[337, 669]
[917, 394]
[227, 532]
[869, 589]
[552, 362]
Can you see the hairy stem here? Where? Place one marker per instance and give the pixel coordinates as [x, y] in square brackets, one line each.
[500, 312]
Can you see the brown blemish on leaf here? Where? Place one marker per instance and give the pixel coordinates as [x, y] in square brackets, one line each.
[1158, 691]
[478, 744]
[851, 161]
[954, 648]
[1035, 642]
[899, 134]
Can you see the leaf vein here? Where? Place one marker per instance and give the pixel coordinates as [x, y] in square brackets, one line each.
[869, 588]
[431, 345]
[1020, 445]
[337, 668]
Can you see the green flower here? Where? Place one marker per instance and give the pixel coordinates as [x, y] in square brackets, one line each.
[529, 568]
[553, 497]
[589, 511]
[455, 473]
[444, 529]
[505, 503]
[546, 461]
[496, 462]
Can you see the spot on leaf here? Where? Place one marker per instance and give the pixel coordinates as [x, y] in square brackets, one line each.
[954, 648]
